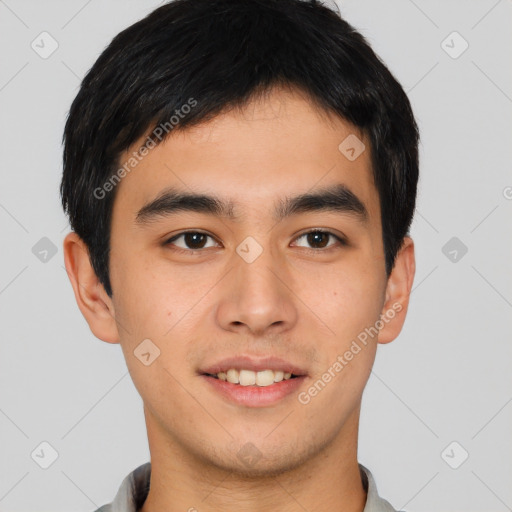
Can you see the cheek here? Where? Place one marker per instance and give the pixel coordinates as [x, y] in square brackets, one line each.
[345, 300]
[144, 295]
[153, 303]
[338, 388]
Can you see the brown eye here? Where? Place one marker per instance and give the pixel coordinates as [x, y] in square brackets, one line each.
[192, 240]
[319, 239]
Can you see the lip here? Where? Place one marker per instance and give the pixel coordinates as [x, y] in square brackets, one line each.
[255, 364]
[255, 396]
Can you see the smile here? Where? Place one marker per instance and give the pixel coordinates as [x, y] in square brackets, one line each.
[251, 378]
[246, 392]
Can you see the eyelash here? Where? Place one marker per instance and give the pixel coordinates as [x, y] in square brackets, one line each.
[340, 240]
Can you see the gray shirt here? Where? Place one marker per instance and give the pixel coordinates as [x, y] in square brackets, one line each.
[135, 487]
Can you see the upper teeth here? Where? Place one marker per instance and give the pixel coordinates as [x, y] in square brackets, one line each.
[250, 378]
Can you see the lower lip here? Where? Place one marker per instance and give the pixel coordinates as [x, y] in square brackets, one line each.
[255, 396]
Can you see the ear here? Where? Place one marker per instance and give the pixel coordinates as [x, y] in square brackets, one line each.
[90, 295]
[398, 289]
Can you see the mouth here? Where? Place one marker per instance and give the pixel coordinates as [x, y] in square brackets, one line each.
[253, 383]
[251, 378]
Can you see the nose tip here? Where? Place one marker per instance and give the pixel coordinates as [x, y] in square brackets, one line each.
[256, 299]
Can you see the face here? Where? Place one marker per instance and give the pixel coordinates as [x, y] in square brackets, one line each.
[266, 281]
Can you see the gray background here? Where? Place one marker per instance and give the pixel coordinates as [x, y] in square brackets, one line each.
[446, 378]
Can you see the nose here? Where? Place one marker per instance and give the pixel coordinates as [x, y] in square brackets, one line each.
[257, 296]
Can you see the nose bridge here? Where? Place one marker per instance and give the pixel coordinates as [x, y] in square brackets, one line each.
[258, 261]
[256, 265]
[258, 298]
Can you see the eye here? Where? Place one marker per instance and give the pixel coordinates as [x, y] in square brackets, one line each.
[196, 240]
[193, 240]
[319, 238]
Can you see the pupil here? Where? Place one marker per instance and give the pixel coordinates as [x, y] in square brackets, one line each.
[192, 238]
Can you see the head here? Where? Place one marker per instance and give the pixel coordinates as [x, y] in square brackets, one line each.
[205, 143]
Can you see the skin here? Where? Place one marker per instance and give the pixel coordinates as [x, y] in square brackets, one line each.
[291, 302]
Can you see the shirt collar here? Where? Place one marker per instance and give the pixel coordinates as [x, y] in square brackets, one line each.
[135, 487]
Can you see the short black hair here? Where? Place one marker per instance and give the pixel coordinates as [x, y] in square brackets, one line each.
[217, 55]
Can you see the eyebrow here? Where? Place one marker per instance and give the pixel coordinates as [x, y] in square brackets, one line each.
[336, 198]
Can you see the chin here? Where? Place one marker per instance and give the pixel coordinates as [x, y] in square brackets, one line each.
[265, 467]
[260, 459]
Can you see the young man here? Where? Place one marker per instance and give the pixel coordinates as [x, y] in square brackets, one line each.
[240, 177]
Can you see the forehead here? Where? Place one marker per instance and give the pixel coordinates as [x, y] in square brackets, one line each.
[275, 146]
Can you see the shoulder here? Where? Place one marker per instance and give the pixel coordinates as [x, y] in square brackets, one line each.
[132, 492]
[374, 502]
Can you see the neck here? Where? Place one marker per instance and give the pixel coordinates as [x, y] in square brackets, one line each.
[328, 480]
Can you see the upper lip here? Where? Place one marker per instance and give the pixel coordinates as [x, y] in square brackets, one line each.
[256, 364]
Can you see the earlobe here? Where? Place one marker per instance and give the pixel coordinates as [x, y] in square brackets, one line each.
[94, 303]
[398, 290]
